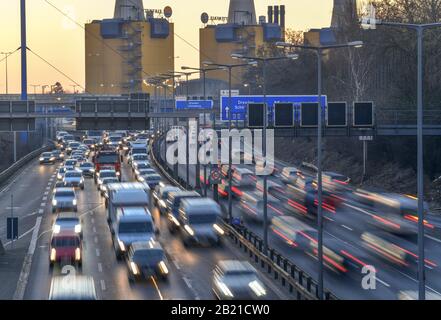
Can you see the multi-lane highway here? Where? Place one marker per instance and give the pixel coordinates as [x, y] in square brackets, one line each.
[344, 227]
[30, 276]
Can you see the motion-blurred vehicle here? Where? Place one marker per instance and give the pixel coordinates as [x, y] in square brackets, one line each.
[251, 206]
[142, 172]
[105, 183]
[173, 203]
[64, 199]
[129, 225]
[151, 179]
[74, 179]
[290, 174]
[47, 158]
[199, 221]
[292, 231]
[160, 195]
[233, 279]
[335, 182]
[77, 287]
[87, 169]
[68, 221]
[65, 248]
[147, 259]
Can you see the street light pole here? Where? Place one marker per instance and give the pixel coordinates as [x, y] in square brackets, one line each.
[6, 54]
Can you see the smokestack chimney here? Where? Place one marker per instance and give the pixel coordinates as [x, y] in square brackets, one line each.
[276, 14]
[242, 12]
[270, 14]
[282, 16]
[129, 10]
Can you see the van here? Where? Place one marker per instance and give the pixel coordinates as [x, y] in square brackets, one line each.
[199, 223]
[131, 224]
[173, 203]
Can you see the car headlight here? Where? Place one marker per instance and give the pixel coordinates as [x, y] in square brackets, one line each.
[121, 245]
[141, 179]
[137, 172]
[62, 155]
[224, 288]
[218, 229]
[257, 288]
[92, 170]
[163, 267]
[77, 254]
[53, 254]
[54, 202]
[74, 202]
[59, 176]
[134, 268]
[56, 228]
[118, 173]
[78, 228]
[175, 221]
[162, 203]
[41, 159]
[189, 230]
[52, 159]
[99, 181]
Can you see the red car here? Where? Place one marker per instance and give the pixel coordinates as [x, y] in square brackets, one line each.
[65, 247]
[107, 159]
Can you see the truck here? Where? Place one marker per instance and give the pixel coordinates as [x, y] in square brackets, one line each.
[108, 159]
[127, 194]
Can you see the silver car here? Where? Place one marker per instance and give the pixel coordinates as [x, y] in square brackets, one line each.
[74, 179]
[233, 279]
[64, 199]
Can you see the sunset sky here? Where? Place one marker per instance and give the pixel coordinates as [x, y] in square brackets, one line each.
[62, 42]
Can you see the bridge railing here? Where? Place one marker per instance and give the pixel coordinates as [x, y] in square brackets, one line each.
[298, 283]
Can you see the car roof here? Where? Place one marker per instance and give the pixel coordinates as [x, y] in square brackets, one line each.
[65, 234]
[123, 186]
[64, 189]
[235, 265]
[79, 288]
[205, 203]
[143, 245]
[134, 211]
[67, 215]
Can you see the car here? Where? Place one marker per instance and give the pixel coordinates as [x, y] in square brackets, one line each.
[74, 179]
[160, 195]
[87, 169]
[90, 143]
[142, 157]
[173, 203]
[72, 146]
[251, 206]
[105, 182]
[64, 199]
[60, 134]
[65, 247]
[68, 221]
[59, 156]
[60, 173]
[234, 279]
[141, 165]
[142, 172]
[70, 163]
[47, 157]
[77, 287]
[107, 173]
[290, 174]
[79, 157]
[152, 180]
[198, 221]
[147, 259]
[335, 182]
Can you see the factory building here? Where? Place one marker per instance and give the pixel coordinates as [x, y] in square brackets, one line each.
[123, 51]
[243, 33]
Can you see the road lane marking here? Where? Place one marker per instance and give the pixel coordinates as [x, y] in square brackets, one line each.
[30, 214]
[48, 188]
[414, 280]
[157, 288]
[46, 193]
[187, 282]
[433, 238]
[44, 198]
[346, 227]
[24, 275]
[103, 285]
[100, 267]
[93, 220]
[40, 211]
[43, 204]
[176, 265]
[97, 252]
[96, 239]
[13, 208]
[94, 229]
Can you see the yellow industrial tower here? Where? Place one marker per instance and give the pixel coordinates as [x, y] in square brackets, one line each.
[122, 52]
[241, 34]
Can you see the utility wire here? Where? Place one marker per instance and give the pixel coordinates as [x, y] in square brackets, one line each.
[58, 70]
[8, 55]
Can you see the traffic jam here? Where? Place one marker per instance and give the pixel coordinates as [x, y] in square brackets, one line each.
[99, 158]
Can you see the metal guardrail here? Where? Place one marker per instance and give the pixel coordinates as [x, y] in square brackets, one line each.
[9, 172]
[297, 281]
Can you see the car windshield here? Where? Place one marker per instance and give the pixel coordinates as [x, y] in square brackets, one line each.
[73, 174]
[111, 180]
[70, 162]
[241, 273]
[107, 158]
[202, 218]
[89, 141]
[115, 139]
[138, 150]
[65, 242]
[135, 227]
[69, 221]
[46, 154]
[93, 133]
[86, 165]
[152, 178]
[69, 194]
[140, 157]
[62, 170]
[107, 174]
